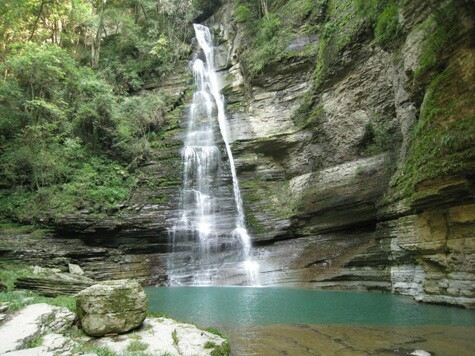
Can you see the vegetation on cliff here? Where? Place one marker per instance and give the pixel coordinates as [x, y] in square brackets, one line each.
[74, 121]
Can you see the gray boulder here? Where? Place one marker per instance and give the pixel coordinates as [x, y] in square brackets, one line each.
[111, 307]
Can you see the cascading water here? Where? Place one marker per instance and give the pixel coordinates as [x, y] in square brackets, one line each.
[210, 235]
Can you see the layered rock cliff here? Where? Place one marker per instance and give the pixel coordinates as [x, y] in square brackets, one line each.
[356, 162]
[355, 157]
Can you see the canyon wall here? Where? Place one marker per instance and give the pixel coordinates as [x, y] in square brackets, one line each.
[356, 162]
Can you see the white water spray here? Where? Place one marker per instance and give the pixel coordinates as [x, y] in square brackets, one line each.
[201, 157]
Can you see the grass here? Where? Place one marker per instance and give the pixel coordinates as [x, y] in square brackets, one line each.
[89, 348]
[137, 346]
[10, 272]
[387, 28]
[221, 350]
[19, 299]
[175, 338]
[34, 342]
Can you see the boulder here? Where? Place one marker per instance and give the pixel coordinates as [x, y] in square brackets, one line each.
[111, 307]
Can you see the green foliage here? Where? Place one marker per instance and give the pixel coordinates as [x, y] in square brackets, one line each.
[71, 134]
[221, 350]
[10, 272]
[442, 140]
[387, 27]
[267, 43]
[216, 331]
[19, 299]
[441, 29]
[378, 138]
[34, 342]
[210, 345]
[340, 30]
[270, 35]
[136, 346]
[175, 338]
[242, 13]
[91, 348]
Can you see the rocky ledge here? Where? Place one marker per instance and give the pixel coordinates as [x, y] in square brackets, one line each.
[111, 319]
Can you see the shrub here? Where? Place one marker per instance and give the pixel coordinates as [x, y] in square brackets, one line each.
[387, 26]
[242, 13]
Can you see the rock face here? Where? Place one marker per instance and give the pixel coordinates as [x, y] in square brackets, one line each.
[32, 321]
[112, 307]
[160, 336]
[360, 178]
[51, 328]
[52, 282]
[346, 181]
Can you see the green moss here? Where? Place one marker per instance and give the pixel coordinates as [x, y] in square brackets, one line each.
[443, 138]
[274, 193]
[9, 228]
[379, 137]
[136, 346]
[387, 28]
[341, 28]
[254, 224]
[441, 29]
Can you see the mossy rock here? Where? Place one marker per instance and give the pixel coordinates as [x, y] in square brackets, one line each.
[111, 307]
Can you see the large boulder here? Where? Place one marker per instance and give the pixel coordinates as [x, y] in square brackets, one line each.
[111, 307]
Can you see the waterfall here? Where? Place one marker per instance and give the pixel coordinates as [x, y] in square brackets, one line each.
[205, 207]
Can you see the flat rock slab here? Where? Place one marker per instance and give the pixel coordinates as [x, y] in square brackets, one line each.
[32, 321]
[53, 284]
[157, 335]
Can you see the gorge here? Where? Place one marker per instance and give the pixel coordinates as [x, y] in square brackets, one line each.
[305, 146]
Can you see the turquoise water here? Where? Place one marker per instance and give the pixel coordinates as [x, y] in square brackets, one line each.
[236, 306]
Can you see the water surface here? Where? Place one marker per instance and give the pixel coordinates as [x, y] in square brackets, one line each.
[233, 306]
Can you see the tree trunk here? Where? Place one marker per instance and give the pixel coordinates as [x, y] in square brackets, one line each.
[96, 50]
[35, 25]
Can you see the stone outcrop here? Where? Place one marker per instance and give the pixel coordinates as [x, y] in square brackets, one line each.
[346, 182]
[52, 282]
[33, 321]
[326, 198]
[111, 307]
[160, 336]
[42, 329]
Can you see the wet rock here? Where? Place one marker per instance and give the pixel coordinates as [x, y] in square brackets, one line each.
[111, 307]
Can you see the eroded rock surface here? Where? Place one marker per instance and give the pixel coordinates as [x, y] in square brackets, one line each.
[33, 321]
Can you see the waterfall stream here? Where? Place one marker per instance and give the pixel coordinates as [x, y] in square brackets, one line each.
[210, 241]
